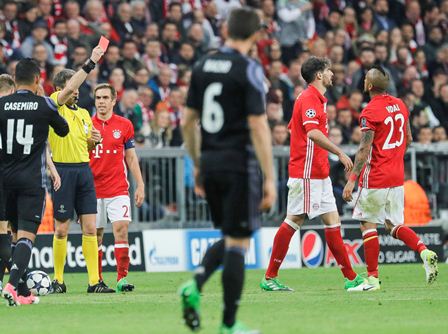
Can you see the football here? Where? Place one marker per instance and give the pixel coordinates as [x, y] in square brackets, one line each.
[39, 283]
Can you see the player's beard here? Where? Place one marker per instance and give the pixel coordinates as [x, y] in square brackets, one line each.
[328, 83]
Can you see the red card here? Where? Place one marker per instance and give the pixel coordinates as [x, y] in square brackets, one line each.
[103, 43]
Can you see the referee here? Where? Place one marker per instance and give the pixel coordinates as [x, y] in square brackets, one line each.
[24, 124]
[77, 191]
[227, 94]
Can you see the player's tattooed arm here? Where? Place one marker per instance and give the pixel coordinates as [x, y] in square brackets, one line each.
[363, 151]
[408, 134]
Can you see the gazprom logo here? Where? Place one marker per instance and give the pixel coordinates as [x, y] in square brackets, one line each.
[157, 259]
[312, 249]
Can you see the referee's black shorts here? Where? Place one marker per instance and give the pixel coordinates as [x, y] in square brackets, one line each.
[24, 208]
[234, 199]
[77, 192]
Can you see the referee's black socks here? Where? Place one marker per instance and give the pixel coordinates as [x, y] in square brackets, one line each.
[213, 258]
[232, 282]
[5, 253]
[20, 260]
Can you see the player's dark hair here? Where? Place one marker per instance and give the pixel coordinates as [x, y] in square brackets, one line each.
[62, 77]
[27, 70]
[6, 83]
[312, 66]
[113, 92]
[243, 23]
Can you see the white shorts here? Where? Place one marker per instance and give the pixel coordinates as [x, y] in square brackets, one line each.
[113, 209]
[378, 205]
[311, 196]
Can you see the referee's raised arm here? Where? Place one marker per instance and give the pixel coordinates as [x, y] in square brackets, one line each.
[78, 78]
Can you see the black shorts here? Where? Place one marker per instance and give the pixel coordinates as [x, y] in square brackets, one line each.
[234, 199]
[2, 197]
[25, 208]
[77, 192]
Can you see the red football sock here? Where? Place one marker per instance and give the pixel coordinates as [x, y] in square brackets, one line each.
[371, 251]
[121, 251]
[279, 249]
[100, 262]
[409, 237]
[337, 247]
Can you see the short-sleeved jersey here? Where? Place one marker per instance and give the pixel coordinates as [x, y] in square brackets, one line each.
[387, 116]
[308, 160]
[226, 88]
[24, 122]
[72, 148]
[107, 160]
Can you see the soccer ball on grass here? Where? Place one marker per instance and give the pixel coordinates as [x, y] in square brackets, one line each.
[39, 283]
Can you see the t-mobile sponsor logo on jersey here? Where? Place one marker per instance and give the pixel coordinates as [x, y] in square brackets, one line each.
[198, 241]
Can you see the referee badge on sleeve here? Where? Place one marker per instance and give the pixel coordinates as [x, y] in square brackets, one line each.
[310, 113]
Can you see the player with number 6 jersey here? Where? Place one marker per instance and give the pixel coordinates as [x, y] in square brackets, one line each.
[379, 165]
[109, 161]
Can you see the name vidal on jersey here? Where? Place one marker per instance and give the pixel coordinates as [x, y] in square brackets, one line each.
[217, 66]
[21, 106]
[392, 109]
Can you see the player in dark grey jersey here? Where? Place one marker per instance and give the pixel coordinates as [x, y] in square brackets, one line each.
[24, 122]
[227, 95]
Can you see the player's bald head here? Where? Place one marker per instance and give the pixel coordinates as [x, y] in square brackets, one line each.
[377, 80]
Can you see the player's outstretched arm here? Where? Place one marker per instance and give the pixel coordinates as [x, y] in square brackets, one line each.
[261, 139]
[320, 139]
[78, 78]
[132, 162]
[360, 160]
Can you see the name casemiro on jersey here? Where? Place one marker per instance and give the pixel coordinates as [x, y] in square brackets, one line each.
[21, 106]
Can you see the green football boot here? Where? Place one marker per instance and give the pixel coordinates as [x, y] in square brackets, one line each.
[237, 328]
[374, 282]
[273, 284]
[430, 264]
[124, 286]
[190, 299]
[357, 284]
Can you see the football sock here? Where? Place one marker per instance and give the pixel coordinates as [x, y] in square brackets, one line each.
[13, 248]
[59, 255]
[212, 260]
[100, 262]
[371, 251]
[121, 251]
[409, 237]
[20, 260]
[232, 281]
[280, 247]
[337, 247]
[90, 251]
[5, 253]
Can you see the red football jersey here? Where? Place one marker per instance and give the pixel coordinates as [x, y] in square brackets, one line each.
[308, 160]
[107, 160]
[387, 116]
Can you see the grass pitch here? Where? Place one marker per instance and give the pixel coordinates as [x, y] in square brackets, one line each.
[319, 305]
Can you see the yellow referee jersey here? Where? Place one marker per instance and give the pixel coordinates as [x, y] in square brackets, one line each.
[73, 147]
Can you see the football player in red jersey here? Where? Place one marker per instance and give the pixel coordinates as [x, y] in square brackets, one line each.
[379, 166]
[109, 161]
[310, 189]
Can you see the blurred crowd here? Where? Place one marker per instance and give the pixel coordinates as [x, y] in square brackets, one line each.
[154, 44]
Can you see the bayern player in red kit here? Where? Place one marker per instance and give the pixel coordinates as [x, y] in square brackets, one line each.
[109, 161]
[310, 189]
[379, 166]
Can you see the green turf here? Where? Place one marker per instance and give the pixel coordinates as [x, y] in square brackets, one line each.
[319, 305]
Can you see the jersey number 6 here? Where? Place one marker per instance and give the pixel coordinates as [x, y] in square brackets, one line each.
[212, 113]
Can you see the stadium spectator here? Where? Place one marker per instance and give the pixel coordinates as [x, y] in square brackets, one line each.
[109, 62]
[59, 41]
[439, 134]
[127, 108]
[122, 21]
[29, 16]
[140, 16]
[345, 121]
[39, 34]
[130, 60]
[280, 134]
[117, 80]
[161, 85]
[424, 136]
[161, 130]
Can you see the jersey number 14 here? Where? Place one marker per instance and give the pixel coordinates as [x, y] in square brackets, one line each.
[392, 123]
[23, 134]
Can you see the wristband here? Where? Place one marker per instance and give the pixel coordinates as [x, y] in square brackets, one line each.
[88, 66]
[353, 177]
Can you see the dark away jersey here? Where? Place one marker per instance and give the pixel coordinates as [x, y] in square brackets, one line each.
[226, 87]
[24, 122]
